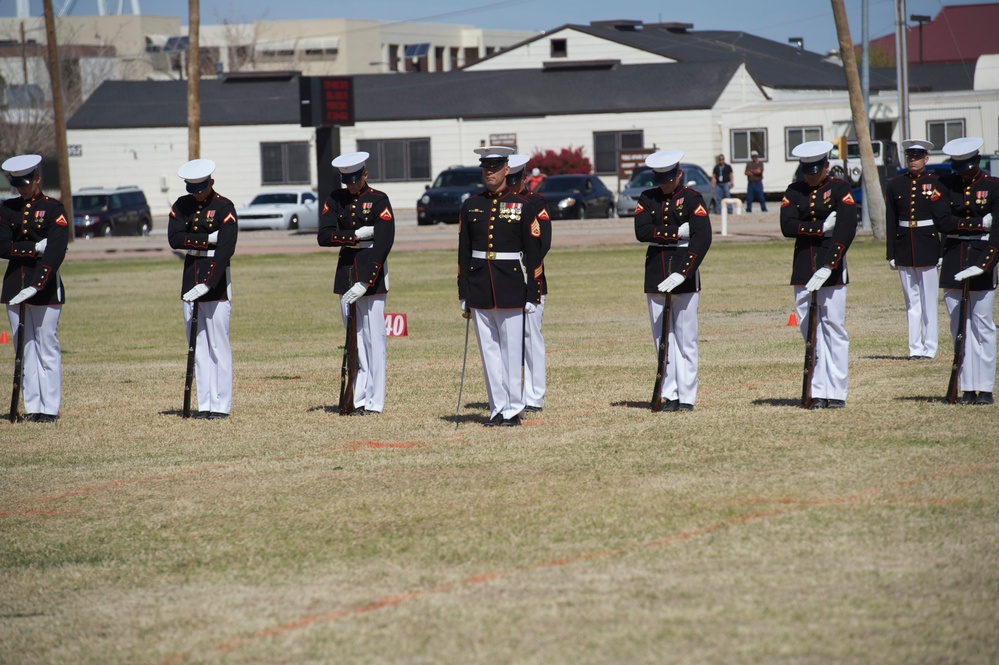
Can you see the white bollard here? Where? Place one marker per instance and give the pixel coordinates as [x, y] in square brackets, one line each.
[723, 206]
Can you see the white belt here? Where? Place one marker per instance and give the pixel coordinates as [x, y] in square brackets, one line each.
[363, 244]
[916, 223]
[496, 256]
[201, 252]
[956, 237]
[679, 243]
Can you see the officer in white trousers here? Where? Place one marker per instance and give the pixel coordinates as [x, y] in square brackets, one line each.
[971, 253]
[359, 220]
[34, 233]
[535, 367]
[821, 215]
[674, 221]
[203, 223]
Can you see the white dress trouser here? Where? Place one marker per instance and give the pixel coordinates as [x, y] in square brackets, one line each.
[680, 381]
[369, 388]
[501, 347]
[919, 289]
[41, 374]
[534, 358]
[978, 370]
[212, 355]
[832, 344]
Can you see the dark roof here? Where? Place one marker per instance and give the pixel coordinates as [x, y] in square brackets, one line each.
[458, 94]
[959, 33]
[932, 78]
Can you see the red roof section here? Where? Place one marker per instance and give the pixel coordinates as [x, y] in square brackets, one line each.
[959, 33]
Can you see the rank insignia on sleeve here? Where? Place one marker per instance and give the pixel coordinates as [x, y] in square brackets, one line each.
[326, 208]
[784, 202]
[536, 229]
[386, 215]
[61, 220]
[935, 195]
[848, 199]
[639, 208]
[538, 272]
[543, 215]
[229, 219]
[700, 211]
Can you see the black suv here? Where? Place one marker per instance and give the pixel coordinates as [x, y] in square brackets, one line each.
[442, 200]
[121, 211]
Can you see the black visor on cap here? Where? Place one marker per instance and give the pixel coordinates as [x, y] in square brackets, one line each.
[814, 167]
[916, 152]
[198, 187]
[492, 162]
[513, 179]
[21, 180]
[964, 164]
[351, 178]
[663, 177]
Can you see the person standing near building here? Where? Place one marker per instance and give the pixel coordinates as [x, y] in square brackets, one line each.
[754, 186]
[534, 342]
[969, 253]
[359, 220]
[499, 279]
[203, 223]
[721, 181]
[673, 220]
[535, 179]
[34, 234]
[821, 215]
[912, 201]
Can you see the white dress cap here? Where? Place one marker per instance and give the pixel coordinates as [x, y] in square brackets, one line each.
[351, 166]
[916, 144]
[812, 155]
[493, 154]
[21, 165]
[518, 162]
[196, 173]
[664, 161]
[963, 148]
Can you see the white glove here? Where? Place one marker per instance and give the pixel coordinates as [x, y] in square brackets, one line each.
[464, 311]
[973, 271]
[671, 282]
[987, 222]
[195, 293]
[364, 232]
[830, 222]
[684, 231]
[818, 279]
[213, 238]
[891, 264]
[530, 308]
[41, 245]
[355, 292]
[23, 295]
[940, 263]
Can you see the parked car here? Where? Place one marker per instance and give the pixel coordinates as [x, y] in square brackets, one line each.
[576, 196]
[294, 208]
[106, 212]
[442, 200]
[693, 176]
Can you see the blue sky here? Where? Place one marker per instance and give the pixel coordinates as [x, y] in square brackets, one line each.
[774, 19]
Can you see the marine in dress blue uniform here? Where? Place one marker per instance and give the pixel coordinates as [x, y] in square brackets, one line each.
[821, 215]
[913, 201]
[535, 367]
[203, 223]
[674, 222]
[499, 278]
[970, 253]
[34, 234]
[359, 220]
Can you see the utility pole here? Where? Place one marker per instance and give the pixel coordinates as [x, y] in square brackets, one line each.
[902, 70]
[58, 116]
[193, 80]
[865, 85]
[872, 183]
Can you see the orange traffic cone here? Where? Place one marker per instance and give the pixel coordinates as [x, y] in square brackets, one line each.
[3, 338]
[792, 320]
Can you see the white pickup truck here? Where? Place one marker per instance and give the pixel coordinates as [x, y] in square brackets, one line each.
[885, 154]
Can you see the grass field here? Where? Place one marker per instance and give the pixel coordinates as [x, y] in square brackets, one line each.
[749, 531]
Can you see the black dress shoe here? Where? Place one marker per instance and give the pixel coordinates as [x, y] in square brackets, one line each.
[201, 415]
[835, 403]
[818, 403]
[671, 405]
[358, 411]
[532, 409]
[969, 397]
[216, 415]
[985, 399]
[511, 422]
[30, 417]
[45, 418]
[494, 421]
[685, 407]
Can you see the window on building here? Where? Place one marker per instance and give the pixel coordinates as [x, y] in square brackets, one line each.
[745, 141]
[608, 145]
[393, 57]
[796, 135]
[439, 58]
[560, 48]
[397, 159]
[471, 55]
[285, 163]
[939, 132]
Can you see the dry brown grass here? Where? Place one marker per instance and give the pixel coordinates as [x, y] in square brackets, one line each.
[748, 531]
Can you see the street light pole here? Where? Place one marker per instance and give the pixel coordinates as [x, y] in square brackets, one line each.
[920, 19]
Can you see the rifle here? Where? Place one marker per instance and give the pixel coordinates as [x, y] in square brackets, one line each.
[348, 369]
[15, 395]
[959, 340]
[806, 381]
[663, 360]
[192, 343]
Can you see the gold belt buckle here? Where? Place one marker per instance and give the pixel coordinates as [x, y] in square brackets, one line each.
[490, 256]
[357, 246]
[913, 223]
